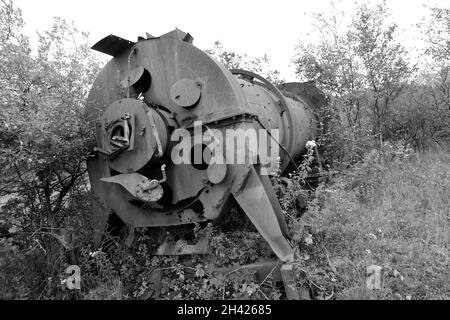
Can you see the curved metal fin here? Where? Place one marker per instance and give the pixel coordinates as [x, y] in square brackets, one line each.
[259, 203]
[127, 180]
[113, 45]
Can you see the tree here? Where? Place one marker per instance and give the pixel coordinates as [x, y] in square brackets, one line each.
[437, 36]
[232, 60]
[423, 112]
[358, 61]
[332, 64]
[386, 70]
[414, 120]
[43, 138]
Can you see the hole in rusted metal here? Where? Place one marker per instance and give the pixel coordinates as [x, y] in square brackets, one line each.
[198, 154]
[144, 82]
[167, 195]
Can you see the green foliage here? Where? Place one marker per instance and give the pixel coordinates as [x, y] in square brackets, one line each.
[375, 94]
[437, 34]
[424, 110]
[43, 136]
[391, 210]
[134, 273]
[44, 143]
[232, 60]
[419, 119]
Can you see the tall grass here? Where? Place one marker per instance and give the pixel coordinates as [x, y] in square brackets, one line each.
[391, 210]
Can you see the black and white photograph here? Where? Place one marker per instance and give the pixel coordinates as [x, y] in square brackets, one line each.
[234, 157]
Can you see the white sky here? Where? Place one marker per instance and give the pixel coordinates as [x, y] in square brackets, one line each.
[253, 27]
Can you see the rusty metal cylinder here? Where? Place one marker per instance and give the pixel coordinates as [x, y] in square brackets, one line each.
[158, 101]
[153, 92]
[292, 117]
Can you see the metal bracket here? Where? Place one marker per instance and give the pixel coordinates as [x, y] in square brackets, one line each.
[241, 178]
[155, 133]
[259, 203]
[290, 284]
[139, 186]
[112, 45]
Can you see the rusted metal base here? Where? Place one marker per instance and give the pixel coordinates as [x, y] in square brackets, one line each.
[263, 270]
[293, 292]
[277, 271]
[274, 270]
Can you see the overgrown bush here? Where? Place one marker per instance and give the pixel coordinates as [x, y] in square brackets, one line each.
[134, 273]
[44, 143]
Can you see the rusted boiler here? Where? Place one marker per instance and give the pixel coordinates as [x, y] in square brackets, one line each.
[176, 139]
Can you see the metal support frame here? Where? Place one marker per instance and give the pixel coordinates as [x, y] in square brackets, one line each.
[257, 199]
